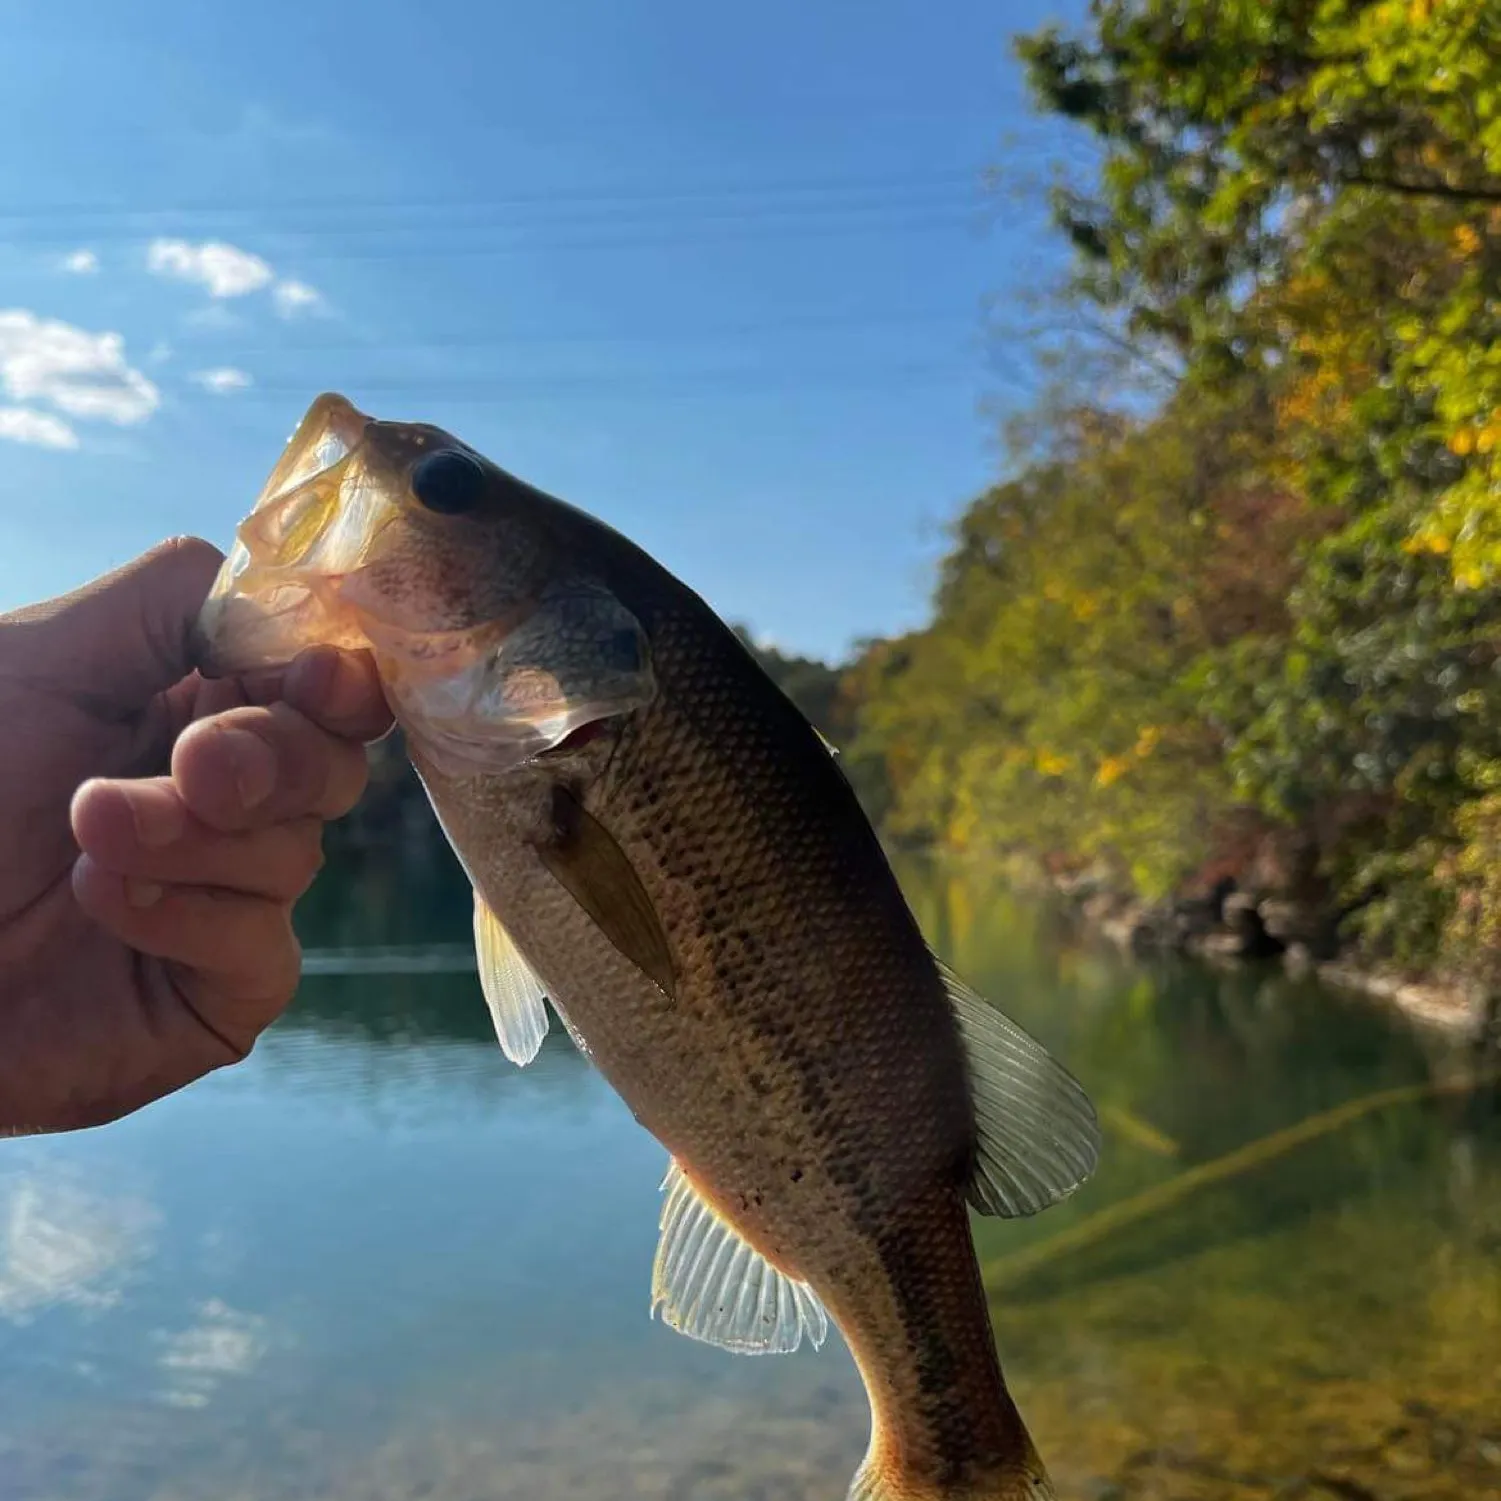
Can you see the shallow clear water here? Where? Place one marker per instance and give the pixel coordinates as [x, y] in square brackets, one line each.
[377, 1261]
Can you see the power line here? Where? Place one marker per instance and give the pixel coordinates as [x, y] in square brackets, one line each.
[470, 340]
[644, 385]
[449, 248]
[645, 214]
[445, 242]
[453, 247]
[546, 199]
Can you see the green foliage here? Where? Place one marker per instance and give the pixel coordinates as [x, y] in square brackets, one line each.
[1386, 682]
[1275, 598]
[1053, 705]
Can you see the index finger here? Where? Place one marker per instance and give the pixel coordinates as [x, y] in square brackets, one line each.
[259, 765]
[340, 691]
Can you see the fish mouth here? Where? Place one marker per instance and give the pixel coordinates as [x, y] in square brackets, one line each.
[312, 526]
[337, 551]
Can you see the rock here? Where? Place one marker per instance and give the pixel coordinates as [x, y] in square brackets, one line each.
[1299, 959]
[1285, 861]
[1220, 946]
[1489, 1011]
[1239, 913]
[1203, 913]
[1100, 908]
[1243, 935]
[1301, 923]
[1080, 885]
[1130, 927]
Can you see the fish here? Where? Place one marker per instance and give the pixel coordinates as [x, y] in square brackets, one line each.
[664, 851]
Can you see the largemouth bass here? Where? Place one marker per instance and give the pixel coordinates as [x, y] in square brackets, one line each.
[664, 848]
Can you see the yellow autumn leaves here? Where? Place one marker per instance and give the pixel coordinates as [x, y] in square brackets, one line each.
[1108, 770]
[1479, 438]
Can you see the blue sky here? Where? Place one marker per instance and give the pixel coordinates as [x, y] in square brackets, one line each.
[714, 273]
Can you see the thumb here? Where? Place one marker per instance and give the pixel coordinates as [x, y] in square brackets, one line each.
[125, 637]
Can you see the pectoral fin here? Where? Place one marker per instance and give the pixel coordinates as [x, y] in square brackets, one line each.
[713, 1286]
[1038, 1135]
[593, 868]
[512, 992]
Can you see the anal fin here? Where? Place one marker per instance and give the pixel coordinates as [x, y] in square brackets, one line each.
[713, 1286]
[1038, 1138]
[512, 992]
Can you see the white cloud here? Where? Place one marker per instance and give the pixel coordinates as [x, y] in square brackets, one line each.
[223, 380]
[42, 429]
[80, 262]
[225, 270]
[80, 373]
[215, 316]
[293, 297]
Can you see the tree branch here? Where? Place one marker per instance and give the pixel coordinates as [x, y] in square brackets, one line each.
[1423, 189]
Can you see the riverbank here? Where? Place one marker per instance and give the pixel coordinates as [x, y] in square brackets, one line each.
[1228, 925]
[1233, 922]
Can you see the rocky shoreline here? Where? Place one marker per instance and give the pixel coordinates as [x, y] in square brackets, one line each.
[1229, 925]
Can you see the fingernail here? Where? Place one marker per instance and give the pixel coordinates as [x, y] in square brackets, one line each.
[348, 689]
[158, 816]
[330, 680]
[142, 893]
[311, 675]
[254, 765]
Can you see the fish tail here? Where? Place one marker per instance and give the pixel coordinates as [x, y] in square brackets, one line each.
[883, 1477]
[943, 1425]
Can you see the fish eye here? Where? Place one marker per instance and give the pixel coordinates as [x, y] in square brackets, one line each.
[448, 482]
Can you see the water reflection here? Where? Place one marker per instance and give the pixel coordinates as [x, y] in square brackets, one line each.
[223, 1342]
[378, 1261]
[63, 1242]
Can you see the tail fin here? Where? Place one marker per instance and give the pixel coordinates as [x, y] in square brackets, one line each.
[1024, 1481]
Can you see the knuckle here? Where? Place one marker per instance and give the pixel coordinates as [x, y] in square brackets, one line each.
[290, 975]
[274, 959]
[300, 752]
[193, 552]
[307, 857]
[347, 772]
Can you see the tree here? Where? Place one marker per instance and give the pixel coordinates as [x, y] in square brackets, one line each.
[1274, 595]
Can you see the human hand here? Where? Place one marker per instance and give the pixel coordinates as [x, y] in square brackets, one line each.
[157, 829]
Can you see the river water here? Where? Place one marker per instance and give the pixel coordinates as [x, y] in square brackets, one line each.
[378, 1262]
